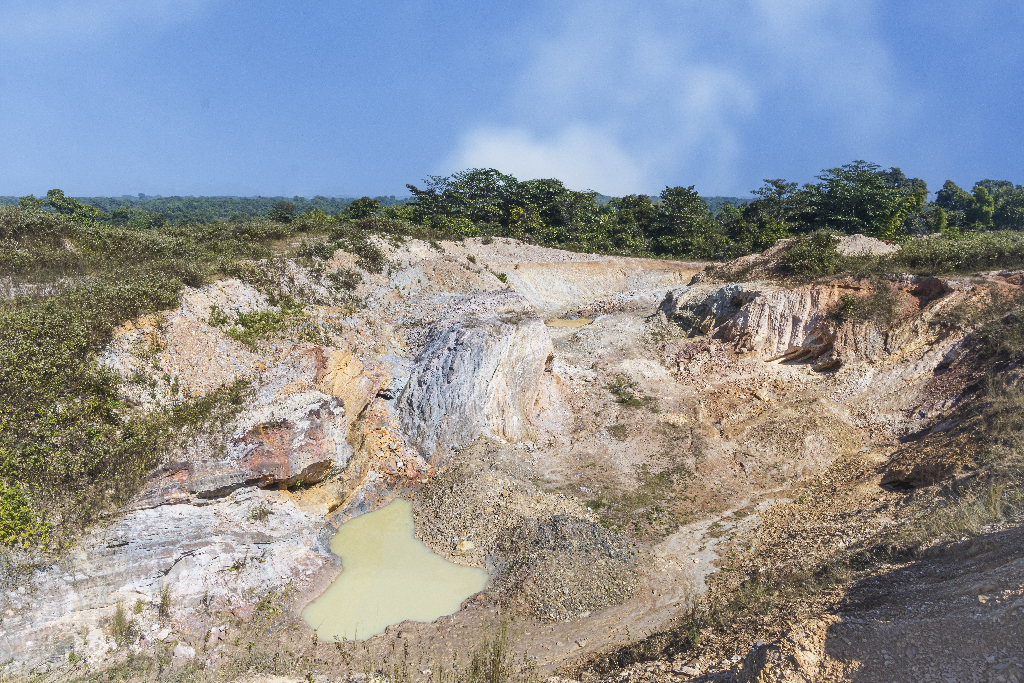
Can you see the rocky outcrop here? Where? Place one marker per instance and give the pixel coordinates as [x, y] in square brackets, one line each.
[702, 308]
[802, 324]
[220, 554]
[356, 383]
[789, 323]
[486, 369]
[288, 433]
[301, 438]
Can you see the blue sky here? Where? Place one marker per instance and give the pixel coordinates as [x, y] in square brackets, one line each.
[111, 97]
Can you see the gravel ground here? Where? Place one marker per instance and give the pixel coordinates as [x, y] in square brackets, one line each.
[546, 554]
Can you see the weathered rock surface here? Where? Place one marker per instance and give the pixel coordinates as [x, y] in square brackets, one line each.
[226, 551]
[701, 308]
[289, 433]
[486, 369]
[801, 323]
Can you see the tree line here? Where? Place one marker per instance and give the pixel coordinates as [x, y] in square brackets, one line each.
[147, 211]
[858, 197]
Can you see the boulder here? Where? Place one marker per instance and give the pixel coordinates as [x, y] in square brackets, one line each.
[701, 308]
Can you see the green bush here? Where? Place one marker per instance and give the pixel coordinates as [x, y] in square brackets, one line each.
[19, 522]
[814, 256]
[457, 226]
[969, 253]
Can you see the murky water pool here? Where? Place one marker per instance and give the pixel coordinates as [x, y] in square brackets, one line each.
[387, 576]
[562, 322]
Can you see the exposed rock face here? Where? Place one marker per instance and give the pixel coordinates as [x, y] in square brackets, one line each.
[486, 368]
[554, 288]
[787, 323]
[353, 381]
[701, 308]
[300, 438]
[219, 550]
[799, 324]
[289, 433]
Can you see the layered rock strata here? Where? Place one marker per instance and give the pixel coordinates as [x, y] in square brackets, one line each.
[805, 324]
[487, 368]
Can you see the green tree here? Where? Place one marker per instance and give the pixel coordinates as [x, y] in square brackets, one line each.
[777, 211]
[685, 227]
[364, 207]
[953, 198]
[1009, 213]
[545, 196]
[31, 202]
[482, 195]
[283, 211]
[69, 206]
[979, 214]
[577, 219]
[861, 198]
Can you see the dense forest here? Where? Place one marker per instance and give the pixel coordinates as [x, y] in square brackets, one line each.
[859, 197]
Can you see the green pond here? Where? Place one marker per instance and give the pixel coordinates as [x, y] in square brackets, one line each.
[387, 576]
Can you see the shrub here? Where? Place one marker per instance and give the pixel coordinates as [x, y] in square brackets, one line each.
[19, 524]
[122, 628]
[317, 249]
[627, 392]
[345, 278]
[879, 307]
[968, 253]
[164, 610]
[813, 256]
[456, 226]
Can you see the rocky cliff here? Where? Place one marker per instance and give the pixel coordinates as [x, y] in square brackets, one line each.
[486, 369]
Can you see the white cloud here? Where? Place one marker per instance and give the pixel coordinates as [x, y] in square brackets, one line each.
[580, 156]
[46, 21]
[680, 91]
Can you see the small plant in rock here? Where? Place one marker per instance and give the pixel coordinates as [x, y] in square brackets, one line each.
[627, 393]
[260, 513]
[345, 279]
[471, 258]
[494, 660]
[164, 609]
[122, 628]
[502, 277]
[844, 310]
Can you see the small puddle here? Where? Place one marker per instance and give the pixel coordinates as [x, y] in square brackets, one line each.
[387, 576]
[561, 322]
